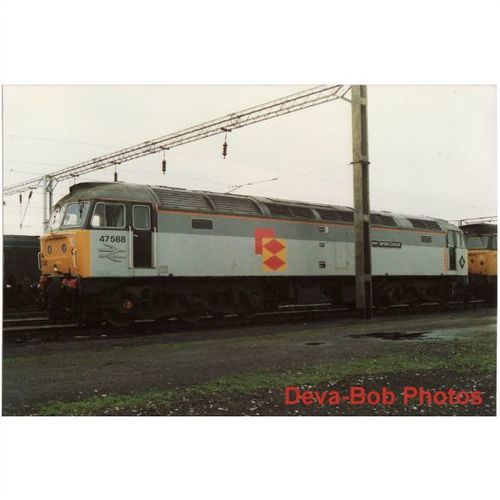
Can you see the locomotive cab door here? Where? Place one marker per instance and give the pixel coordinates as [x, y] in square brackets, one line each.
[451, 242]
[142, 231]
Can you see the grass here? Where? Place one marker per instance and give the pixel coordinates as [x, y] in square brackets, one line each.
[159, 401]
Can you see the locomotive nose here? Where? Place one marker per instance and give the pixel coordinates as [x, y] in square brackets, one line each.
[56, 254]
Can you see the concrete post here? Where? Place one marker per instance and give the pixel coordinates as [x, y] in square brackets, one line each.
[362, 240]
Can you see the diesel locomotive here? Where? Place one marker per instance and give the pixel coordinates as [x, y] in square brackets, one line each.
[481, 242]
[118, 252]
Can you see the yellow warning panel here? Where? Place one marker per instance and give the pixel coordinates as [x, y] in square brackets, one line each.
[273, 255]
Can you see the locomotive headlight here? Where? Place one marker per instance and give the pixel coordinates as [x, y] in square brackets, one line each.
[127, 304]
[56, 270]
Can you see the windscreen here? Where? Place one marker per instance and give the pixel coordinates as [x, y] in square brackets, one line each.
[477, 242]
[75, 214]
[56, 218]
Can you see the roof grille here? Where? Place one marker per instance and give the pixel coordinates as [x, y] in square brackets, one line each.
[328, 214]
[234, 204]
[424, 224]
[382, 220]
[346, 216]
[336, 215]
[187, 200]
[279, 210]
[303, 212]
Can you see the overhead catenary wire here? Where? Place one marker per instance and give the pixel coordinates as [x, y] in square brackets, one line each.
[239, 186]
[288, 104]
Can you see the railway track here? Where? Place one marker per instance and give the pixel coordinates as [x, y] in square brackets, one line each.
[24, 312]
[41, 329]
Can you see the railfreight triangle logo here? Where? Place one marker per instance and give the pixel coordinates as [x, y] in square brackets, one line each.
[271, 249]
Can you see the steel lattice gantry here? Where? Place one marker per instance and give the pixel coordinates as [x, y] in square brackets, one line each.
[249, 116]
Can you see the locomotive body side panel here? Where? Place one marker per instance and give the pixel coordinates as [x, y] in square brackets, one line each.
[228, 248]
[110, 253]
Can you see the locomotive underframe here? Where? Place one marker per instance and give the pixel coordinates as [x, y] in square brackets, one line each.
[119, 301]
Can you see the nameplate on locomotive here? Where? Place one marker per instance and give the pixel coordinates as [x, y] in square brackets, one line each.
[386, 244]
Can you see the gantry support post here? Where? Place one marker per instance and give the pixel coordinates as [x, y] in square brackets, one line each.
[362, 240]
[48, 188]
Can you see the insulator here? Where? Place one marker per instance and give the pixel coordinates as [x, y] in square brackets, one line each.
[164, 166]
[116, 176]
[224, 150]
[21, 199]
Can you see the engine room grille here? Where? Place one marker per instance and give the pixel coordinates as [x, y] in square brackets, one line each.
[424, 224]
[303, 212]
[279, 210]
[382, 220]
[346, 216]
[335, 215]
[187, 200]
[328, 214]
[234, 204]
[290, 211]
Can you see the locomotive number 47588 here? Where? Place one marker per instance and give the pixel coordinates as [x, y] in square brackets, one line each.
[113, 239]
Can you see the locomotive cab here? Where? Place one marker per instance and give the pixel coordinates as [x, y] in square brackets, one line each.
[125, 229]
[89, 240]
[62, 247]
[481, 242]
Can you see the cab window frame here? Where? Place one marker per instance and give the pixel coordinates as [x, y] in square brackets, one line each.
[493, 243]
[109, 203]
[60, 210]
[142, 205]
[86, 210]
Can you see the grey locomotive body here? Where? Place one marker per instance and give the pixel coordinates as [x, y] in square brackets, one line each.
[151, 251]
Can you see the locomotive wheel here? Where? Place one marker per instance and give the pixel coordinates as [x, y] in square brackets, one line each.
[190, 316]
[248, 314]
[91, 315]
[121, 312]
[117, 319]
[218, 316]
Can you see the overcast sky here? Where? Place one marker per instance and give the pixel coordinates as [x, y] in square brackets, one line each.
[432, 148]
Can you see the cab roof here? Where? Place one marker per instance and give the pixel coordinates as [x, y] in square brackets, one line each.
[170, 198]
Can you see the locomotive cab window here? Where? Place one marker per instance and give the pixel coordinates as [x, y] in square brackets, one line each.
[477, 242]
[55, 218]
[141, 215]
[76, 214]
[108, 215]
[451, 239]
